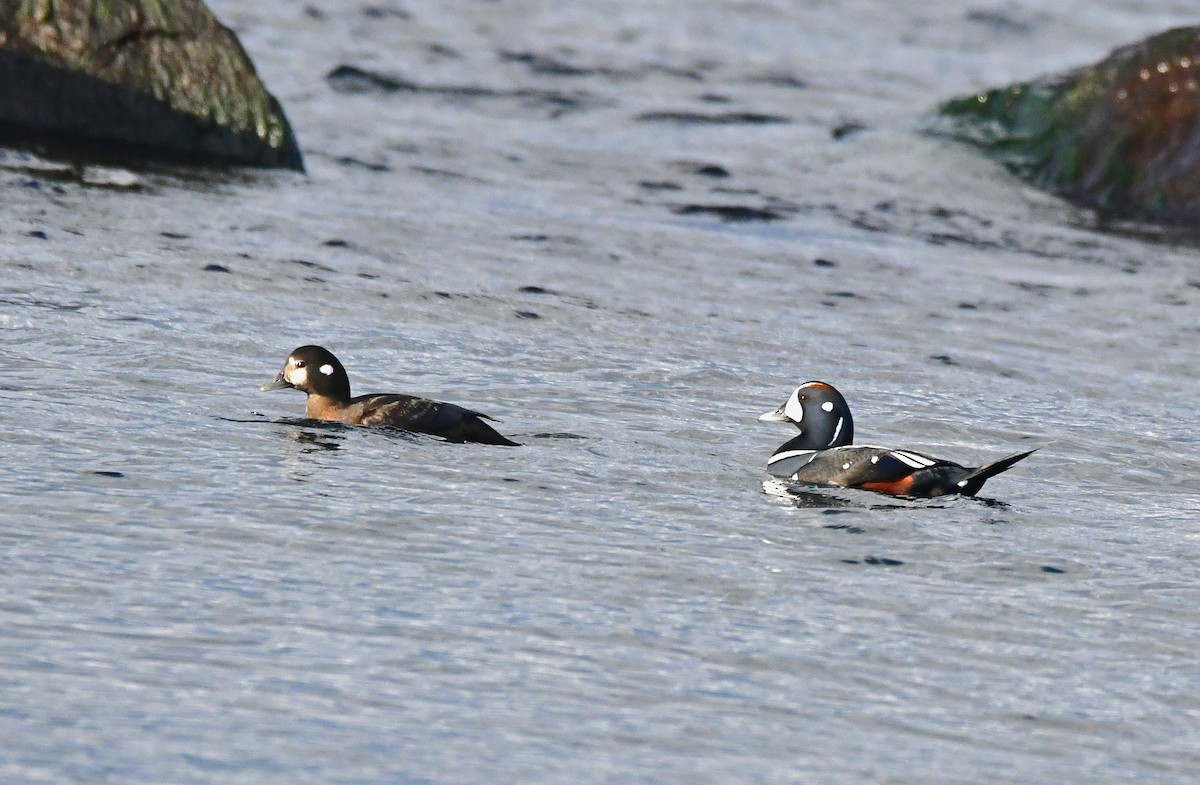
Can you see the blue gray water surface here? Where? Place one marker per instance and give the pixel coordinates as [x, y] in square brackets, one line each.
[625, 230]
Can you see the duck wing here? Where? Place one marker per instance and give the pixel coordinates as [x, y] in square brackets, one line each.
[873, 468]
[422, 415]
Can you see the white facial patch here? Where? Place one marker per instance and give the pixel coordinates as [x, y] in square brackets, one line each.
[793, 409]
[298, 377]
[827, 406]
[326, 369]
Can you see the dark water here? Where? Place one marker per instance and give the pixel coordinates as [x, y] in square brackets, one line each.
[626, 232]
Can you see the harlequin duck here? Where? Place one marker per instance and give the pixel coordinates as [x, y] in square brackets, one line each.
[822, 454]
[314, 370]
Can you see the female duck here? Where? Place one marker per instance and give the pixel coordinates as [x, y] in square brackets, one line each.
[315, 371]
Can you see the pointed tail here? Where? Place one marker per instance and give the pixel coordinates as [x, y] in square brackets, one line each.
[974, 481]
[473, 429]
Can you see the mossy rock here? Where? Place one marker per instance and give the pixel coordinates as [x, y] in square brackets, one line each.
[1121, 136]
[136, 78]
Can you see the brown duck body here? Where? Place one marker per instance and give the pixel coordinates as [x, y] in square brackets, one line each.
[316, 372]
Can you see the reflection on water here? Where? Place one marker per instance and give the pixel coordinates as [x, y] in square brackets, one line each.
[806, 496]
[817, 497]
[317, 441]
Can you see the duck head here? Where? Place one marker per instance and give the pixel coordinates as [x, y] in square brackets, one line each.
[821, 414]
[313, 370]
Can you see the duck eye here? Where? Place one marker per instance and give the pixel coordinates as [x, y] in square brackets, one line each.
[299, 363]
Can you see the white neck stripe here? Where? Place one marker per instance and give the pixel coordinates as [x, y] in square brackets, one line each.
[836, 431]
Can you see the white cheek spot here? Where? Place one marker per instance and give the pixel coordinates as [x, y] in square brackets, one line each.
[827, 406]
[326, 369]
[298, 377]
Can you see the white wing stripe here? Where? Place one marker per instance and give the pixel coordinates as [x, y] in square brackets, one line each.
[912, 459]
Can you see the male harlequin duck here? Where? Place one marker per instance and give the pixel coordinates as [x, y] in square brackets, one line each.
[314, 370]
[822, 455]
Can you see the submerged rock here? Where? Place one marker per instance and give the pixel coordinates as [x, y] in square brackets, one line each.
[161, 78]
[1121, 136]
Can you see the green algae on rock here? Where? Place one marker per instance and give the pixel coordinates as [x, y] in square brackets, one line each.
[1121, 136]
[157, 78]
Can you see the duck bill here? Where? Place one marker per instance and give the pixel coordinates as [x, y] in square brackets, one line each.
[775, 416]
[278, 383]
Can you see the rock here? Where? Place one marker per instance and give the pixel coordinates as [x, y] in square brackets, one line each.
[1121, 136]
[136, 78]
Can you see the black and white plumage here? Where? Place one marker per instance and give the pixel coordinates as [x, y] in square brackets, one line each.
[315, 371]
[823, 453]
